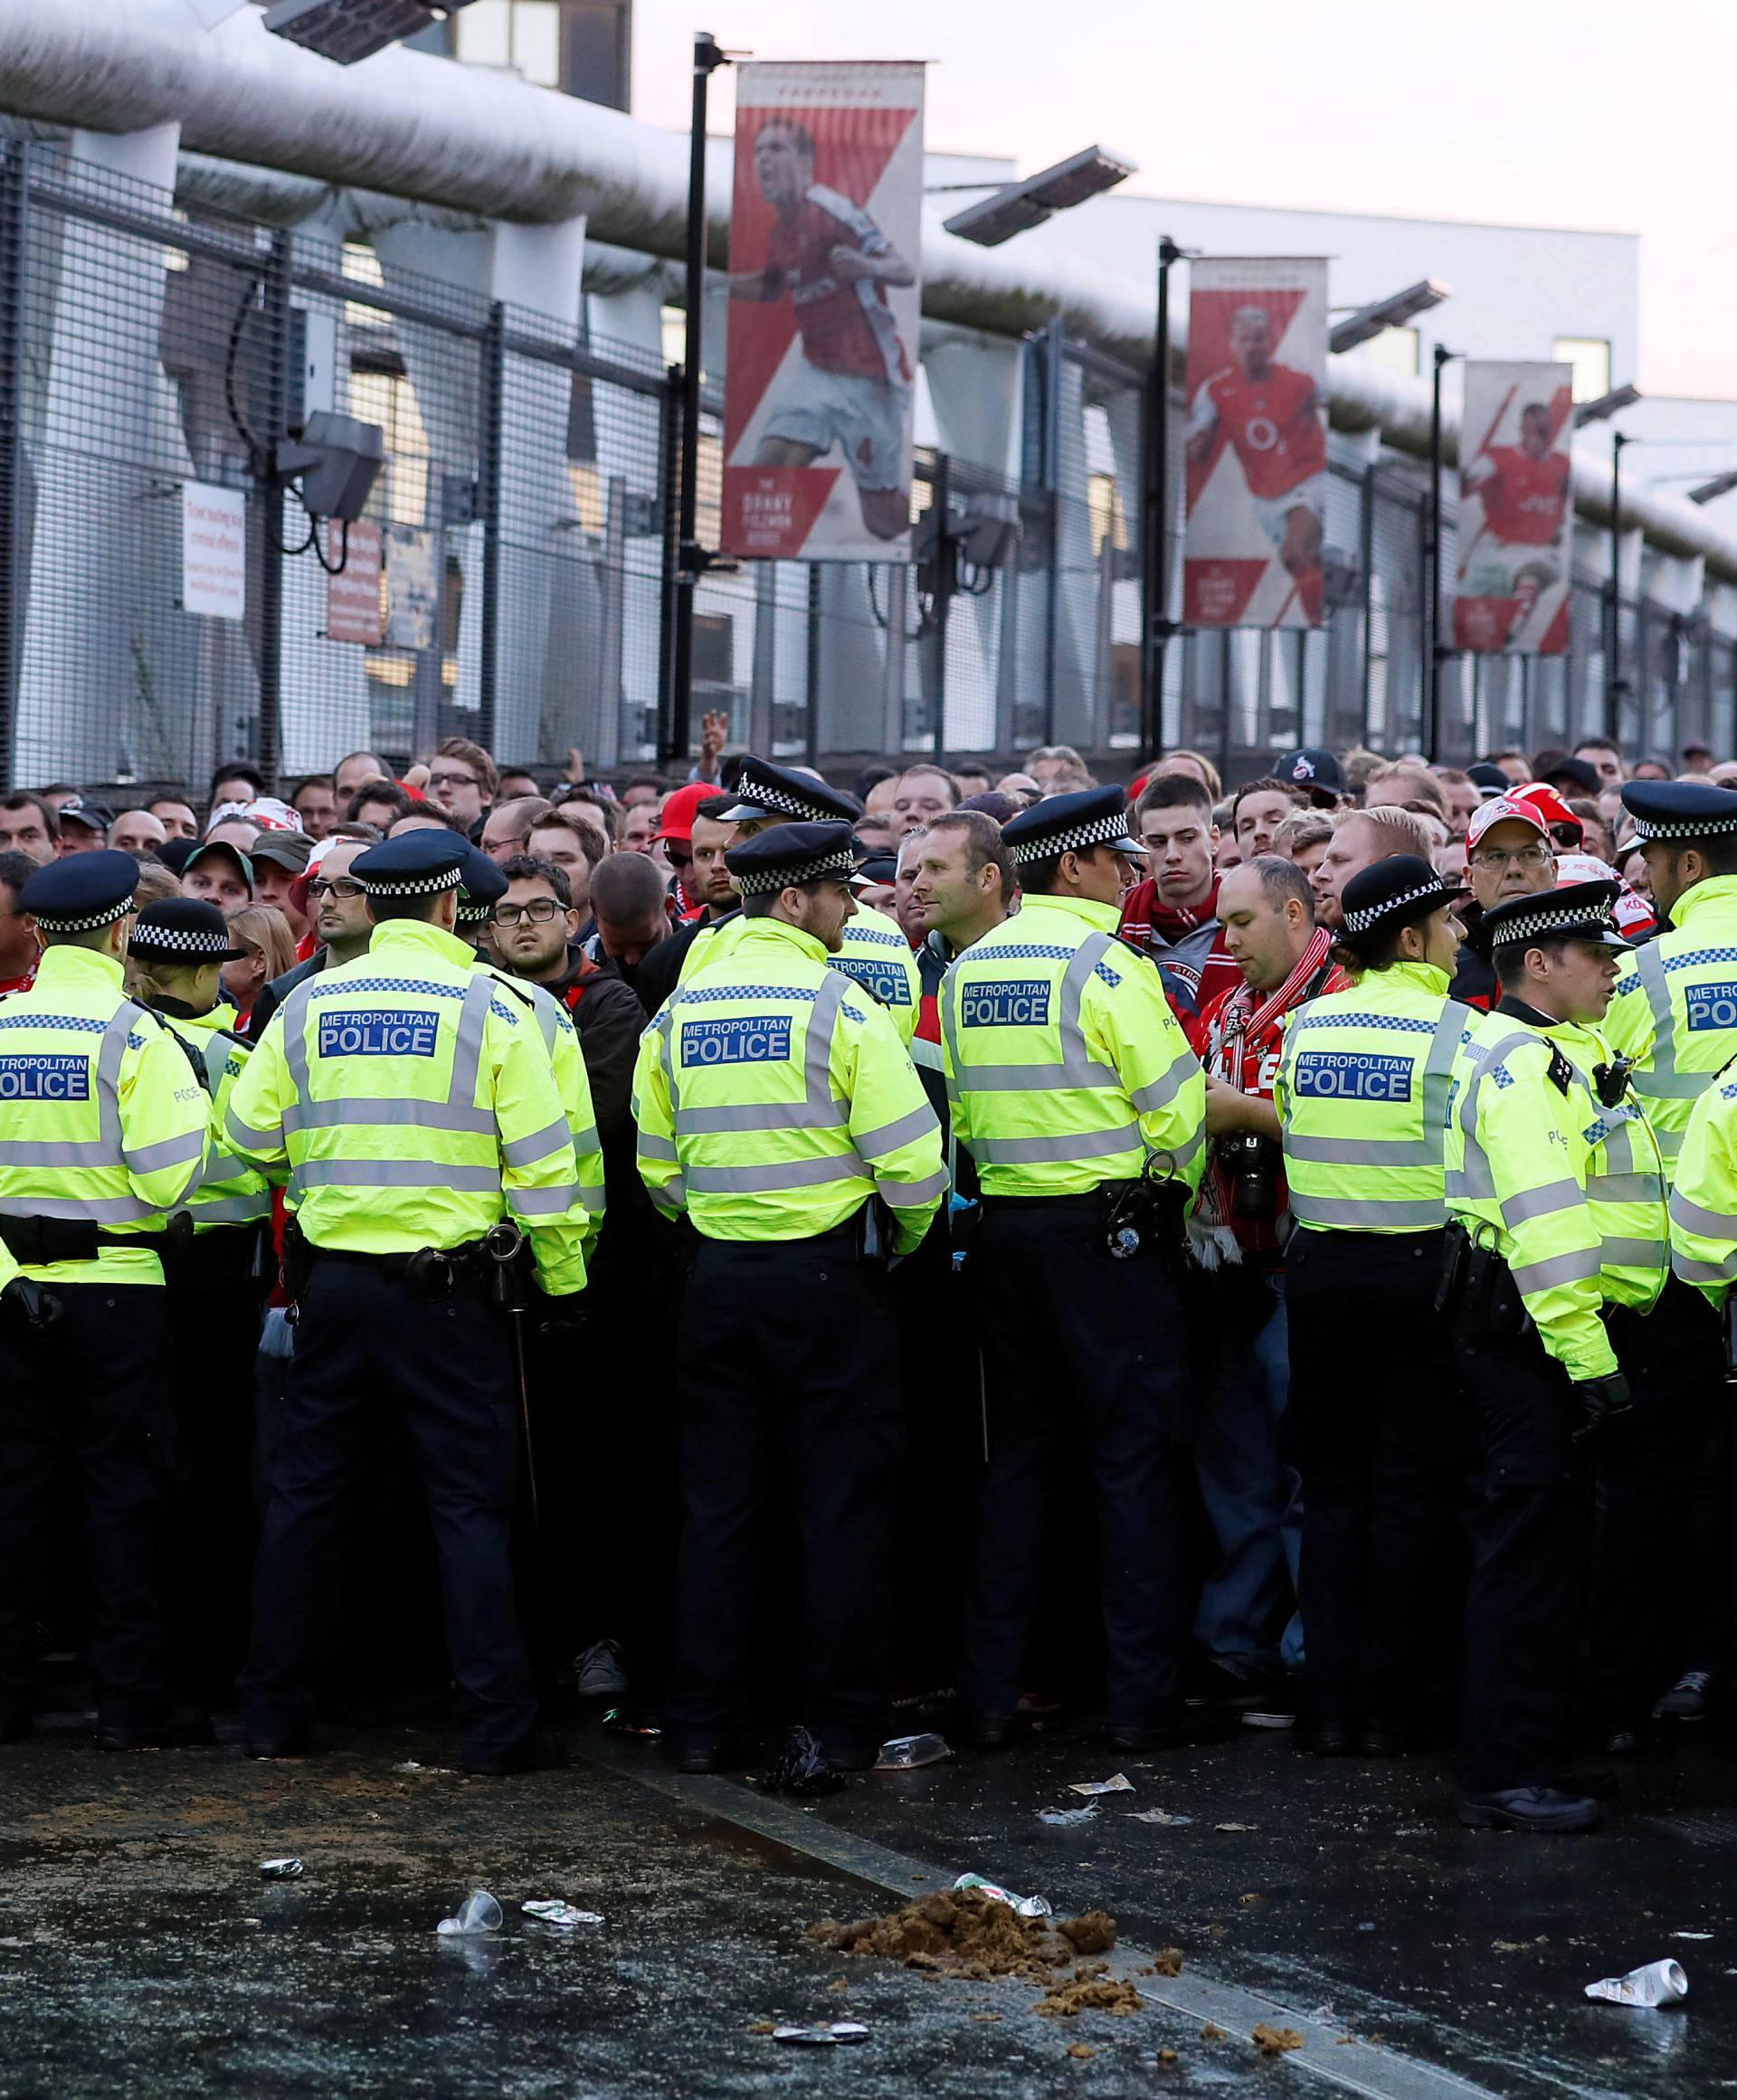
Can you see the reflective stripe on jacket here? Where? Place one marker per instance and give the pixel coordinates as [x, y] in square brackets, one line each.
[229, 1190]
[1674, 1008]
[875, 955]
[1574, 1191]
[1065, 1065]
[1704, 1201]
[1361, 1096]
[410, 1094]
[773, 1100]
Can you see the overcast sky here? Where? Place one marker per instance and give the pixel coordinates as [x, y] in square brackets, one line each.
[1617, 115]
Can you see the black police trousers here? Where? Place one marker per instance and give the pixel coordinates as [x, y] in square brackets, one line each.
[96, 1387]
[1644, 1575]
[1081, 1353]
[1531, 1538]
[1384, 1442]
[364, 1342]
[786, 1346]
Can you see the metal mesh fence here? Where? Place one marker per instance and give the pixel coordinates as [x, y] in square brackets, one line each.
[512, 577]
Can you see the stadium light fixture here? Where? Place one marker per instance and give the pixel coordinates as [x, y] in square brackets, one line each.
[1368, 322]
[1720, 485]
[1606, 405]
[1018, 206]
[345, 30]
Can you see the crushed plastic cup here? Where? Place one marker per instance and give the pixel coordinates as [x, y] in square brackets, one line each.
[1027, 1906]
[284, 1869]
[1082, 1815]
[1658, 1983]
[906, 1752]
[479, 1912]
[838, 2030]
[552, 1911]
[1118, 1783]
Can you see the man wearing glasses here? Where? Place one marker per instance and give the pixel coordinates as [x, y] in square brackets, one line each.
[341, 924]
[462, 780]
[1508, 854]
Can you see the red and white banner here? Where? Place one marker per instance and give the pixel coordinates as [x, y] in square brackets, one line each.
[1512, 579]
[825, 256]
[1257, 445]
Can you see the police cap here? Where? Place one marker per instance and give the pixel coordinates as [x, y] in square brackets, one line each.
[483, 888]
[1581, 911]
[1394, 893]
[1071, 824]
[763, 790]
[793, 854]
[1680, 808]
[182, 929]
[82, 892]
[415, 864]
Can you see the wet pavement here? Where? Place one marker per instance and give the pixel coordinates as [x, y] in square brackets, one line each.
[141, 1950]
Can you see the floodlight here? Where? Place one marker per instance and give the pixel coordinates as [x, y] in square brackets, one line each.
[1405, 306]
[1606, 405]
[1023, 205]
[1720, 485]
[338, 460]
[347, 30]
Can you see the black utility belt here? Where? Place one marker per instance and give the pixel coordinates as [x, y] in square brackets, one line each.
[431, 1273]
[33, 1243]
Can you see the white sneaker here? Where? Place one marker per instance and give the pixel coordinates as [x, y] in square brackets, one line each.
[598, 1673]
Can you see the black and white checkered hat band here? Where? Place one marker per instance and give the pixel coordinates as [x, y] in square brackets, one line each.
[1360, 922]
[167, 940]
[473, 911]
[53, 923]
[423, 885]
[1683, 827]
[1573, 919]
[1073, 839]
[769, 882]
[780, 802]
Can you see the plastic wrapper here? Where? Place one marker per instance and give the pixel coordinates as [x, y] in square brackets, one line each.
[552, 1911]
[1118, 1783]
[285, 1870]
[1082, 1815]
[838, 2030]
[1027, 1906]
[906, 1752]
[1658, 1983]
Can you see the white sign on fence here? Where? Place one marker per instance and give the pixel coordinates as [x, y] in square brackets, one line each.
[214, 550]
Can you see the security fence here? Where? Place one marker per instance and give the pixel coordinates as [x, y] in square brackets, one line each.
[166, 601]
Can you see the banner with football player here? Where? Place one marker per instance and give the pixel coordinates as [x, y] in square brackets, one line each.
[1512, 579]
[825, 253]
[1256, 445]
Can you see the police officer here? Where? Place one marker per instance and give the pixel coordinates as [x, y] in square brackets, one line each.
[1555, 1181]
[410, 1097]
[779, 1111]
[1383, 1450]
[1074, 1090]
[103, 1131]
[875, 952]
[218, 1280]
[1674, 1014]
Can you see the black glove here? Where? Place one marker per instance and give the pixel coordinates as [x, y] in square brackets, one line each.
[562, 1316]
[1602, 1400]
[32, 1303]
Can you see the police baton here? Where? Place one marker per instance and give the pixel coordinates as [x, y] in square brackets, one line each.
[503, 1244]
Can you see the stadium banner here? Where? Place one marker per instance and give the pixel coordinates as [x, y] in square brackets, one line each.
[1257, 443]
[825, 255]
[1511, 581]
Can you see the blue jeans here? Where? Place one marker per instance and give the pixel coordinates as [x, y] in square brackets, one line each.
[1251, 1499]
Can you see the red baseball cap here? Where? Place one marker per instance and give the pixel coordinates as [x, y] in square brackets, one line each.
[676, 821]
[1505, 809]
[1549, 806]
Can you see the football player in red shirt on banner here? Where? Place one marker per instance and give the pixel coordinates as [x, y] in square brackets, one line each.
[853, 385]
[1523, 489]
[1270, 416]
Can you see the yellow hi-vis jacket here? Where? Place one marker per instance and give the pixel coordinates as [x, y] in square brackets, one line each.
[102, 1120]
[1362, 1096]
[1574, 1191]
[772, 1099]
[410, 1094]
[229, 1192]
[875, 955]
[572, 1083]
[1674, 1008]
[1703, 1200]
[1065, 1065]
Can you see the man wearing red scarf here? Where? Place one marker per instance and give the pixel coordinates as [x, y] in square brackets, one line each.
[1172, 916]
[1238, 1230]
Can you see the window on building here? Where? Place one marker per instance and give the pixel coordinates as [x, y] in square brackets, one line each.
[520, 36]
[1590, 358]
[1398, 349]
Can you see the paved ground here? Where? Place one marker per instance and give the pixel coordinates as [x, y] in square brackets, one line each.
[139, 1949]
